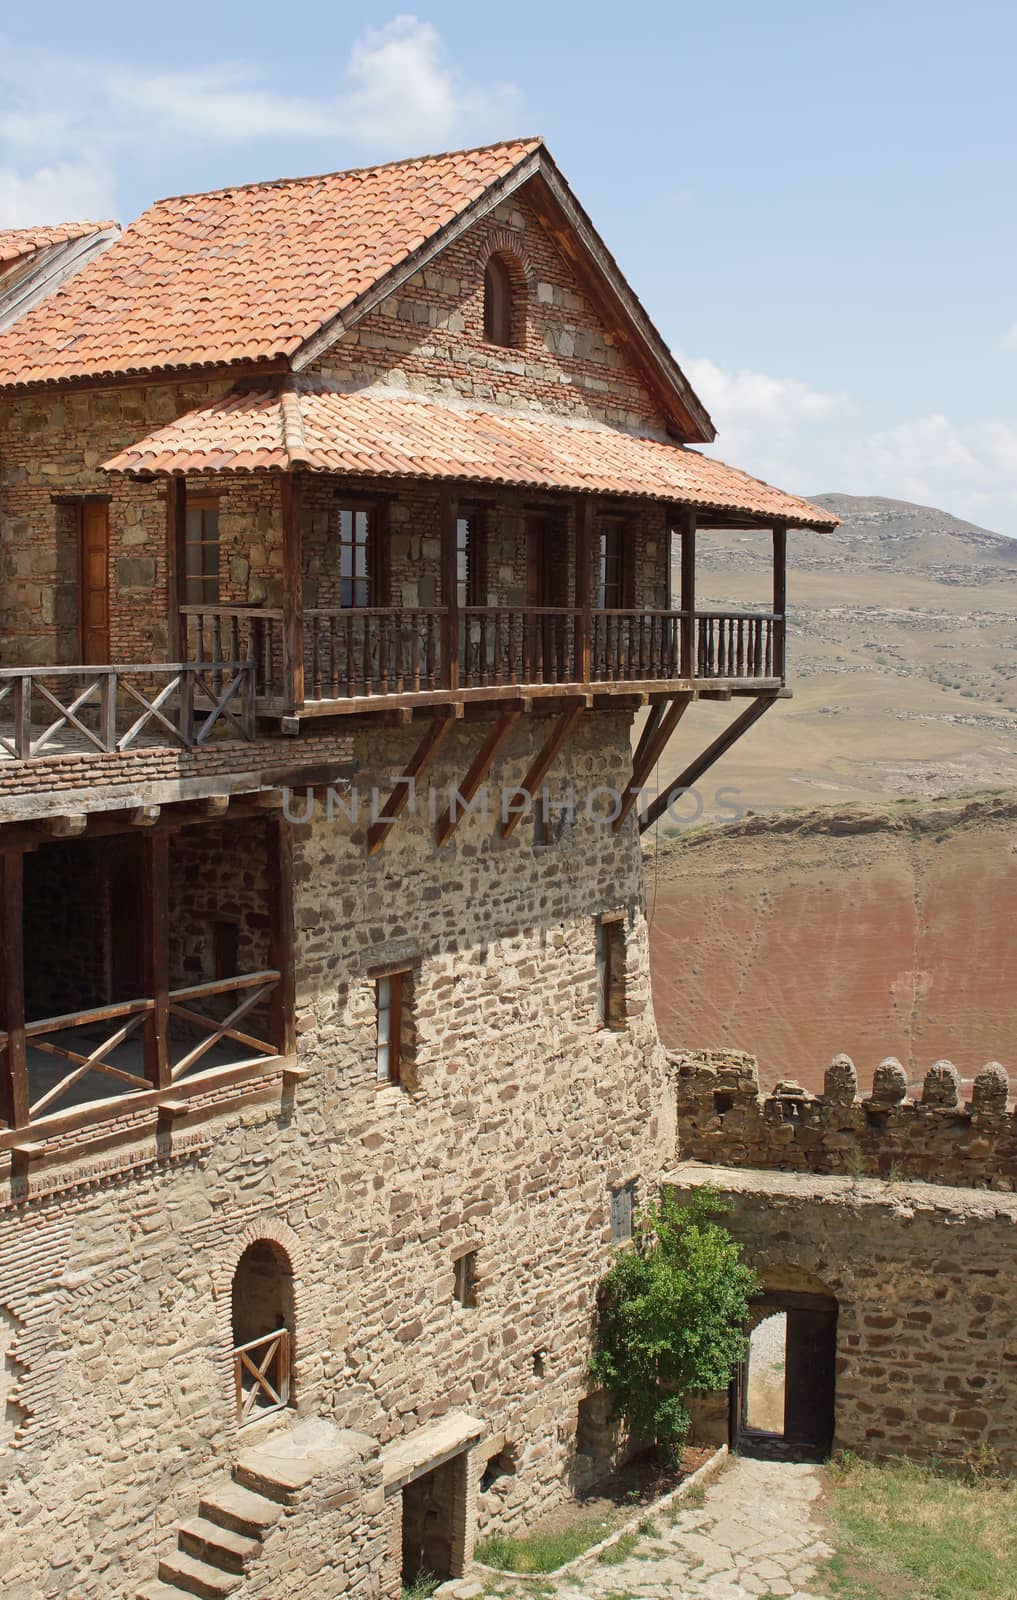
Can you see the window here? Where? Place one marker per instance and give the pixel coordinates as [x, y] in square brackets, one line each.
[623, 1207]
[498, 302]
[357, 557]
[611, 972]
[201, 553]
[392, 994]
[469, 562]
[612, 584]
[464, 1286]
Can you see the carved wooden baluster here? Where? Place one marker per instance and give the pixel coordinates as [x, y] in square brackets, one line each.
[199, 644]
[768, 673]
[382, 625]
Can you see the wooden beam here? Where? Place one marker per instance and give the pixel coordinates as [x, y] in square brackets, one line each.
[479, 769]
[449, 589]
[694, 771]
[438, 730]
[145, 816]
[293, 593]
[584, 588]
[68, 826]
[649, 752]
[779, 598]
[13, 1058]
[688, 595]
[542, 763]
[176, 568]
[155, 949]
[282, 935]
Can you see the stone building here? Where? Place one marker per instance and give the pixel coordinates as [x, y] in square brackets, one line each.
[336, 530]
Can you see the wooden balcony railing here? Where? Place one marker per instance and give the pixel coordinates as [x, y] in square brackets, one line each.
[223, 634]
[635, 646]
[261, 1370]
[353, 653]
[531, 645]
[104, 1041]
[739, 644]
[56, 710]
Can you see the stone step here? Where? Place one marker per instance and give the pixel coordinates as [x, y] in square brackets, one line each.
[278, 1478]
[220, 1547]
[232, 1506]
[197, 1577]
[157, 1590]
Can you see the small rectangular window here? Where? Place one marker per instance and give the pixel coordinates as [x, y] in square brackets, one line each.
[469, 561]
[201, 553]
[356, 557]
[623, 1210]
[612, 584]
[611, 973]
[392, 994]
[465, 1284]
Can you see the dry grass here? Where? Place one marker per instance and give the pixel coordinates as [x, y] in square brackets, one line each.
[904, 1532]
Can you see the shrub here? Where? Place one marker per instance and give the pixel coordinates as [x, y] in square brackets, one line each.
[671, 1317]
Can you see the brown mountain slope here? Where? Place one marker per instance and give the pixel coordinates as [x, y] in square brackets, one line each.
[900, 653]
[876, 931]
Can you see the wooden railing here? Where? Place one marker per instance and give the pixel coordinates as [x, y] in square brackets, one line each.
[126, 1068]
[222, 634]
[635, 646]
[50, 710]
[358, 652]
[739, 644]
[261, 1371]
[529, 645]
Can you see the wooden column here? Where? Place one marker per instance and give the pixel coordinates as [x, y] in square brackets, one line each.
[282, 935]
[293, 594]
[688, 595]
[449, 590]
[584, 597]
[155, 937]
[176, 568]
[779, 597]
[13, 1061]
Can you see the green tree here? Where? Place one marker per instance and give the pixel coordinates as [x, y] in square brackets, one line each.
[671, 1316]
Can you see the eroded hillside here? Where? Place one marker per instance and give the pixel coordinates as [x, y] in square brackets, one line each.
[888, 930]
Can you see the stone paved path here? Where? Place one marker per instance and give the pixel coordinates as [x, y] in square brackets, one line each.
[755, 1535]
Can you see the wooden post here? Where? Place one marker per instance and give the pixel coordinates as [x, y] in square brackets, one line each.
[14, 1076]
[155, 936]
[176, 568]
[688, 595]
[779, 597]
[584, 599]
[449, 589]
[282, 933]
[293, 594]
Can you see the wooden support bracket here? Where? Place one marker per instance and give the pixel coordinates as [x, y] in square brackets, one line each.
[713, 752]
[67, 827]
[649, 750]
[438, 731]
[479, 769]
[541, 764]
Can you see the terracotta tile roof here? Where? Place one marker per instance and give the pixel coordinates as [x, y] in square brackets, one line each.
[17, 242]
[245, 274]
[382, 433]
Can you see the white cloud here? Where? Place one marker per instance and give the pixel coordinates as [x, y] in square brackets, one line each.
[1010, 337]
[65, 192]
[810, 440]
[397, 94]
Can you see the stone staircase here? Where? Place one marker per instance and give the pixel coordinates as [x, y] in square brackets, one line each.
[215, 1548]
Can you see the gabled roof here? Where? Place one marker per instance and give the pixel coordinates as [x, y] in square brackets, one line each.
[273, 273]
[382, 433]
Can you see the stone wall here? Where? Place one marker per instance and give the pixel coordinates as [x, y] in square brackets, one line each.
[116, 1264]
[925, 1283]
[940, 1138]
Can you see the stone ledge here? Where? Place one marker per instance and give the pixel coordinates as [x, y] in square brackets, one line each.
[902, 1195]
[426, 1448]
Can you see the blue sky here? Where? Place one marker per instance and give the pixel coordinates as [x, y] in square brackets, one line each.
[815, 202]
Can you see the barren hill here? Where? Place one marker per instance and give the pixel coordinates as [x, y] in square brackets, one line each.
[876, 930]
[901, 654]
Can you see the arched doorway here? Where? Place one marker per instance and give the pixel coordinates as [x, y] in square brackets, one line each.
[784, 1394]
[262, 1313]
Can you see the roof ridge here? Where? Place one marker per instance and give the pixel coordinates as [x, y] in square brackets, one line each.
[533, 140]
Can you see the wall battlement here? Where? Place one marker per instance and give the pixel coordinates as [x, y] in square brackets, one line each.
[726, 1120]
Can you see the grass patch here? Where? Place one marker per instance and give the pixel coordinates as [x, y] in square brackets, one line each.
[620, 1551]
[544, 1552]
[907, 1532]
[423, 1585]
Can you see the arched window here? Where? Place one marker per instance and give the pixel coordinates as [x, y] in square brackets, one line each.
[262, 1329]
[498, 297]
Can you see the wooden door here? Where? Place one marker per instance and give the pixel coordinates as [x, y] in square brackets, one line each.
[545, 574]
[811, 1376]
[93, 588]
